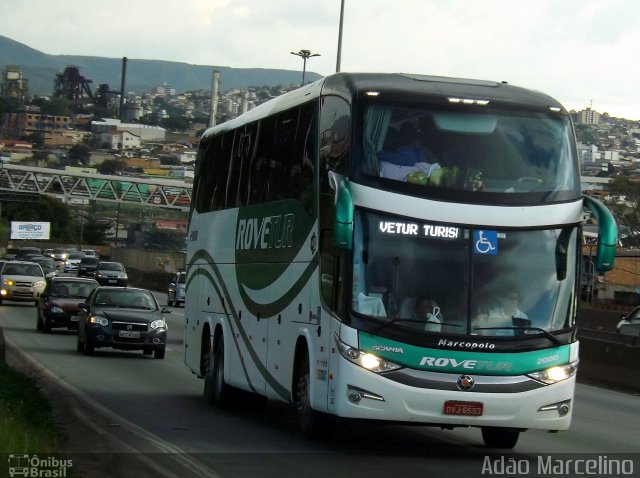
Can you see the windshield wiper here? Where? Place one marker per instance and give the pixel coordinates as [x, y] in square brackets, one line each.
[546, 333]
[415, 321]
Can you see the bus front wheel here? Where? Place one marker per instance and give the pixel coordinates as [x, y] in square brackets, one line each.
[312, 423]
[498, 437]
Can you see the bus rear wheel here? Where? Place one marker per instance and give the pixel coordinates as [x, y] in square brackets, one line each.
[498, 437]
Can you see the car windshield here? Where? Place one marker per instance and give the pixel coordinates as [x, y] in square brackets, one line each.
[72, 289]
[22, 270]
[76, 256]
[126, 298]
[111, 266]
[182, 278]
[45, 262]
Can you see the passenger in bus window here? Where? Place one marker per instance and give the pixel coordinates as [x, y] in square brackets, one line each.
[423, 309]
[428, 310]
[406, 158]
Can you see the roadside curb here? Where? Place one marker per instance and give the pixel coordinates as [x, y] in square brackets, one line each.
[99, 439]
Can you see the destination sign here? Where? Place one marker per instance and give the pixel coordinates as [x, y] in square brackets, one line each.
[401, 228]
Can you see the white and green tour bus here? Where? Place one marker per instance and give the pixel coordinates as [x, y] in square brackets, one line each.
[392, 247]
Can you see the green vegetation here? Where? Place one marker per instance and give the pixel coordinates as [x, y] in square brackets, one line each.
[26, 423]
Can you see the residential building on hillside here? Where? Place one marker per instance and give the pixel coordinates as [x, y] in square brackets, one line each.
[143, 131]
[28, 120]
[588, 116]
[120, 140]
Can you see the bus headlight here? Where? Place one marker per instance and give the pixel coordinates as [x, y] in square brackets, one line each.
[555, 374]
[365, 359]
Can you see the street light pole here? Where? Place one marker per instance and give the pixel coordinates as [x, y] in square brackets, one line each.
[304, 54]
[340, 37]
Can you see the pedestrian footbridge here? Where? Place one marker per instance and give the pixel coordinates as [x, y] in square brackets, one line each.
[24, 183]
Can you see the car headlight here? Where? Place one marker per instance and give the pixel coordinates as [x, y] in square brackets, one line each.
[40, 283]
[56, 310]
[555, 374]
[158, 324]
[365, 359]
[8, 282]
[97, 320]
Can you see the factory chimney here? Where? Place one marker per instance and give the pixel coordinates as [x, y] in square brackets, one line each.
[122, 88]
[215, 84]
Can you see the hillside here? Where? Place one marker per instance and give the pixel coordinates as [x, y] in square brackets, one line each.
[40, 70]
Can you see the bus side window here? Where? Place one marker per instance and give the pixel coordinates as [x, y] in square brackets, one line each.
[207, 179]
[335, 138]
[260, 172]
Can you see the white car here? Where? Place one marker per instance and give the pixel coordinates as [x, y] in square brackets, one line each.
[21, 281]
[629, 324]
[73, 261]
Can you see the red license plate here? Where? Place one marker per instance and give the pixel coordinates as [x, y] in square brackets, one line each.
[454, 407]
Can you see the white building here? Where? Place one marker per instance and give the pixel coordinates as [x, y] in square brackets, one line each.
[588, 153]
[143, 131]
[121, 140]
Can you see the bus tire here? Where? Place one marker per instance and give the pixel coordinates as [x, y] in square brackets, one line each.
[207, 364]
[216, 390]
[498, 437]
[313, 424]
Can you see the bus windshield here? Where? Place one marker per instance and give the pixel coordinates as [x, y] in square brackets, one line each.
[485, 154]
[437, 278]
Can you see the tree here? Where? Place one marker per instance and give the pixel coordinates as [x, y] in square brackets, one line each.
[626, 208]
[585, 134]
[111, 166]
[47, 209]
[175, 123]
[80, 154]
[94, 231]
[36, 139]
[57, 106]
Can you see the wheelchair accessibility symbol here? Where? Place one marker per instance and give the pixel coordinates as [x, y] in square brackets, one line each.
[485, 242]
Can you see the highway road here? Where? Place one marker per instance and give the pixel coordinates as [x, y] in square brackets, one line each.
[152, 411]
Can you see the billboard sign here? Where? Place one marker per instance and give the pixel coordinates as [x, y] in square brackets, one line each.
[30, 230]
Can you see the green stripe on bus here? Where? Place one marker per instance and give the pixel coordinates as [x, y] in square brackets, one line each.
[458, 361]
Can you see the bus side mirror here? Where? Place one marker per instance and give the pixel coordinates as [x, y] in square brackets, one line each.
[343, 221]
[607, 234]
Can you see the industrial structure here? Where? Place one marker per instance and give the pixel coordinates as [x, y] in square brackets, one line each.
[14, 86]
[70, 84]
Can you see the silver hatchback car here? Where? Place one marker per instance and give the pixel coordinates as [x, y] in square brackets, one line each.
[176, 289]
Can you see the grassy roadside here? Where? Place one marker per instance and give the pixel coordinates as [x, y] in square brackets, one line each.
[26, 421]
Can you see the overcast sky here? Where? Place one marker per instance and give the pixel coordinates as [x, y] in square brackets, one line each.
[578, 51]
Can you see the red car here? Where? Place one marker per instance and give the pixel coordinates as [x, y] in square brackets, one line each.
[58, 304]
